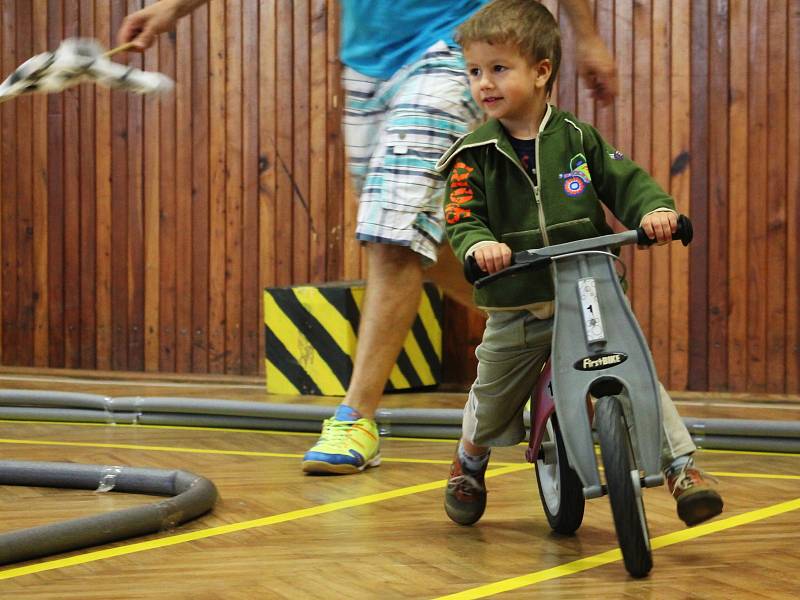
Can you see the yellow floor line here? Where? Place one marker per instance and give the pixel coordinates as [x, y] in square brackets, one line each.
[610, 556]
[223, 452]
[235, 527]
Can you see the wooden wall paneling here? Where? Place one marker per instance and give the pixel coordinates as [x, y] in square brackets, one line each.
[87, 326]
[167, 304]
[233, 189]
[623, 133]
[553, 7]
[217, 136]
[152, 215]
[55, 201]
[24, 224]
[585, 107]
[252, 321]
[200, 188]
[567, 98]
[699, 188]
[605, 23]
[8, 210]
[756, 152]
[135, 216]
[304, 221]
[103, 212]
[284, 143]
[793, 204]
[680, 185]
[72, 206]
[119, 213]
[39, 202]
[774, 194]
[317, 155]
[642, 125]
[183, 197]
[716, 175]
[267, 154]
[661, 160]
[336, 172]
[738, 155]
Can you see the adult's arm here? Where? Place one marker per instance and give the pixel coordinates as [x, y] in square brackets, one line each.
[595, 62]
[143, 26]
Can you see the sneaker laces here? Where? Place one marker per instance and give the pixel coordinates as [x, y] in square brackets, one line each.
[466, 484]
[683, 480]
[334, 430]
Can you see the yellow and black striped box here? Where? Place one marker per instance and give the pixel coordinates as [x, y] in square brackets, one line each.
[311, 334]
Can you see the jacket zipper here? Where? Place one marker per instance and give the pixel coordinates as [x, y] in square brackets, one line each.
[536, 197]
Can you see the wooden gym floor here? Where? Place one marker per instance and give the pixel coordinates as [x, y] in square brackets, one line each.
[276, 533]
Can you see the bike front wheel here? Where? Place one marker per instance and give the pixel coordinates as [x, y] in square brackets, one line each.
[560, 488]
[624, 489]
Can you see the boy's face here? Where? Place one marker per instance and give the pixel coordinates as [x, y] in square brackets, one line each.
[506, 85]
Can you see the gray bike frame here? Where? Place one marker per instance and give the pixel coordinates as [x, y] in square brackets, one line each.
[593, 320]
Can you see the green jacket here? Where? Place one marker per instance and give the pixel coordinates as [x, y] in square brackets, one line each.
[490, 197]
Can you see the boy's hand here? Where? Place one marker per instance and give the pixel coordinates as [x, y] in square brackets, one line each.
[493, 258]
[660, 226]
[143, 26]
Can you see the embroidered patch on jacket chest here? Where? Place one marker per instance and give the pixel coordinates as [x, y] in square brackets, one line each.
[576, 179]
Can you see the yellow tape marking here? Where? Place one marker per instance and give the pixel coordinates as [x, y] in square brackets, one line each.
[235, 527]
[598, 560]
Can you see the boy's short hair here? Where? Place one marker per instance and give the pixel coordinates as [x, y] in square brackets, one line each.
[526, 24]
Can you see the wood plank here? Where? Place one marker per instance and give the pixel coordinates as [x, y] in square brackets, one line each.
[717, 170]
[737, 199]
[8, 210]
[336, 172]
[302, 218]
[252, 319]
[200, 179]
[776, 205]
[757, 165]
[39, 202]
[167, 214]
[88, 208]
[699, 192]
[317, 156]
[72, 207]
[605, 23]
[55, 203]
[585, 109]
[792, 359]
[641, 150]
[183, 198]
[217, 107]
[568, 71]
[119, 213]
[233, 189]
[680, 143]
[623, 103]
[152, 217]
[24, 221]
[284, 143]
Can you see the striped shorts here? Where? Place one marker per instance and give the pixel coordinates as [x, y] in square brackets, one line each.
[395, 131]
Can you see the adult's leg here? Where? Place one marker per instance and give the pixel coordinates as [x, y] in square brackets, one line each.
[391, 301]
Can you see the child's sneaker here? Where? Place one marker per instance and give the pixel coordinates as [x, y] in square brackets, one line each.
[697, 500]
[465, 497]
[347, 445]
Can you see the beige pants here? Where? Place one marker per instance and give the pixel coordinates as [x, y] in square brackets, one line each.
[515, 346]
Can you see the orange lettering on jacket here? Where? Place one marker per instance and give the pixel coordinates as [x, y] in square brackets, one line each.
[460, 193]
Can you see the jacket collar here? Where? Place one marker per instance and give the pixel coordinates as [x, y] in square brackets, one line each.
[492, 132]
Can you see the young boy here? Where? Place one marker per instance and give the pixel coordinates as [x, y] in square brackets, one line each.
[532, 176]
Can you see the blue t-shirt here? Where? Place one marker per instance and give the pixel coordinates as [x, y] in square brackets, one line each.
[378, 37]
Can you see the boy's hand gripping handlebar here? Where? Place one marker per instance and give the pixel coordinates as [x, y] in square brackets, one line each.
[542, 257]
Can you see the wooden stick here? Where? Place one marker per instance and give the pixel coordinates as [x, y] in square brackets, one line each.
[122, 48]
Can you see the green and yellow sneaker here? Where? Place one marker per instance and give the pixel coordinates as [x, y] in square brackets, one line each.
[348, 444]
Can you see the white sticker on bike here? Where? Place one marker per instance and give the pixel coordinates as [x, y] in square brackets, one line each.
[590, 309]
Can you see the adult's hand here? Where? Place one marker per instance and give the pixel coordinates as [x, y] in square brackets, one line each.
[143, 26]
[596, 66]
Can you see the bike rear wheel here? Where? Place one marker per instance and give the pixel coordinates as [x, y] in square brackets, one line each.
[560, 488]
[624, 489]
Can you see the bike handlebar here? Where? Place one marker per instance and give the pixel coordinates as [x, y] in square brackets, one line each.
[529, 259]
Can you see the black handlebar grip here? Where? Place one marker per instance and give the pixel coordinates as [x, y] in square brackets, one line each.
[683, 232]
[472, 271]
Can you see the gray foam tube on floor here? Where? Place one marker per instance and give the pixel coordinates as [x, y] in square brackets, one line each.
[191, 496]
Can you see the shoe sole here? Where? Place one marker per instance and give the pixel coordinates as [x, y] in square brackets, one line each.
[700, 508]
[320, 466]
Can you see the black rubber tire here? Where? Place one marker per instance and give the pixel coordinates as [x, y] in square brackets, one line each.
[626, 506]
[564, 511]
